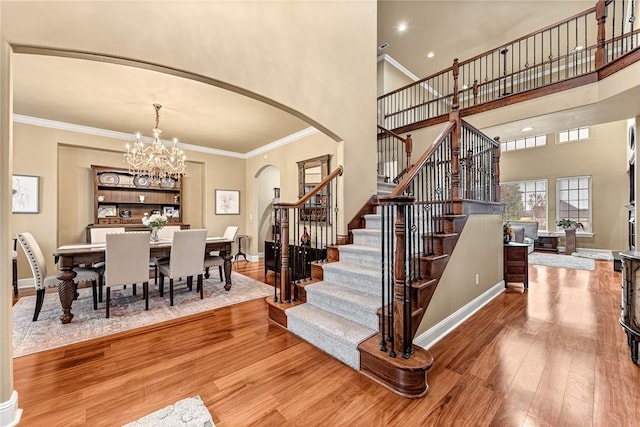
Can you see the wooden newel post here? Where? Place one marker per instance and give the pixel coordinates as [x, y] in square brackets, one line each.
[454, 69]
[408, 147]
[401, 303]
[601, 50]
[496, 168]
[285, 280]
[455, 155]
[475, 92]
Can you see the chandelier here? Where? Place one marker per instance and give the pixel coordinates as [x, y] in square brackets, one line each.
[155, 160]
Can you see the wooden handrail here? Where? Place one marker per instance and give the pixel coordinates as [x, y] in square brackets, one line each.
[315, 190]
[402, 186]
[393, 134]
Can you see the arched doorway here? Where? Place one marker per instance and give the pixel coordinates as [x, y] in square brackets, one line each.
[266, 179]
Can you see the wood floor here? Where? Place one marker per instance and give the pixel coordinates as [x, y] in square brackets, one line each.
[553, 356]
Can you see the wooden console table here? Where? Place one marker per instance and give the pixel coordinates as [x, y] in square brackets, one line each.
[630, 315]
[546, 243]
[516, 263]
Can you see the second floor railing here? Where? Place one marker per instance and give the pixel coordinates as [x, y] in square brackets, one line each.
[394, 154]
[573, 47]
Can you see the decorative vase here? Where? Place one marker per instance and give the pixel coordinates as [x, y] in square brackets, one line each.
[154, 234]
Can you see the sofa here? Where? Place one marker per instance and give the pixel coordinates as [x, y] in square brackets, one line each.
[525, 232]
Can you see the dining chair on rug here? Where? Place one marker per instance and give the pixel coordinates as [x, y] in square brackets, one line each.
[39, 269]
[213, 258]
[165, 233]
[14, 268]
[98, 235]
[185, 260]
[127, 262]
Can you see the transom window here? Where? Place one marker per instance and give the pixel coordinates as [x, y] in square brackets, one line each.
[525, 201]
[519, 144]
[574, 200]
[573, 134]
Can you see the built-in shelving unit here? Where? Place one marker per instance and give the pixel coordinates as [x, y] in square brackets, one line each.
[121, 198]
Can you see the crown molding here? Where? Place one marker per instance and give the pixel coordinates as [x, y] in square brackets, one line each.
[398, 66]
[53, 124]
[282, 141]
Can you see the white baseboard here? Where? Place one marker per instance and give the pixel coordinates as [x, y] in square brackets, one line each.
[10, 414]
[25, 283]
[440, 330]
[253, 258]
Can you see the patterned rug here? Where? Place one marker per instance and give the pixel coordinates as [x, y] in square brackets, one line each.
[563, 261]
[127, 312]
[189, 412]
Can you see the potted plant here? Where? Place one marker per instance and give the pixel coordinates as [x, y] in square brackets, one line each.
[570, 226]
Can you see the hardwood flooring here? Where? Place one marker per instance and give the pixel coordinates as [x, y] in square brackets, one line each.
[552, 356]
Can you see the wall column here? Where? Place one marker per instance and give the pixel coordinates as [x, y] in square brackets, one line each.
[9, 412]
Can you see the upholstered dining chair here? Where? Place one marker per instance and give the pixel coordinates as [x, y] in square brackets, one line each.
[213, 259]
[14, 268]
[98, 235]
[165, 233]
[185, 260]
[127, 262]
[39, 269]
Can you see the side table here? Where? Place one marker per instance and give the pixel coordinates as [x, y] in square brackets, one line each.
[240, 253]
[546, 243]
[516, 263]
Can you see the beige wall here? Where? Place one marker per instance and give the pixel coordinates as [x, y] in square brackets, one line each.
[391, 78]
[63, 161]
[603, 157]
[284, 159]
[478, 251]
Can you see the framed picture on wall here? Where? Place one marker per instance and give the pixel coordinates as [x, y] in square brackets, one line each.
[26, 194]
[227, 202]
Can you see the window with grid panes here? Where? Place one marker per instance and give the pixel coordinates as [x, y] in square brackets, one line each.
[574, 200]
[525, 201]
[575, 134]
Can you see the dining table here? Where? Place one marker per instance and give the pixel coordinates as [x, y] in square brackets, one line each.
[70, 256]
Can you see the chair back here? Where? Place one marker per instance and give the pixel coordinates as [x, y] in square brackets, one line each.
[98, 234]
[126, 258]
[230, 232]
[167, 231]
[187, 252]
[36, 259]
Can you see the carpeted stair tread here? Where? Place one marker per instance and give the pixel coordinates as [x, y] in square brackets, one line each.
[354, 276]
[367, 237]
[334, 334]
[361, 255]
[361, 307]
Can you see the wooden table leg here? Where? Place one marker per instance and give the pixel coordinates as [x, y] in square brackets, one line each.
[66, 288]
[227, 268]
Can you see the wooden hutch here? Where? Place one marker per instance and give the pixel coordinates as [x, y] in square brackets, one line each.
[121, 198]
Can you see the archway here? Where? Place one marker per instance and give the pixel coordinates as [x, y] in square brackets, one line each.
[266, 179]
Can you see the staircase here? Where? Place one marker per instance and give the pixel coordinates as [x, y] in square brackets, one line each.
[342, 310]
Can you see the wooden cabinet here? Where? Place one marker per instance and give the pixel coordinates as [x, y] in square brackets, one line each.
[121, 198]
[630, 313]
[546, 243]
[300, 258]
[516, 263]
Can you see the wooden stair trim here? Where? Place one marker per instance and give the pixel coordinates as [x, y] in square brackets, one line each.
[405, 377]
[277, 310]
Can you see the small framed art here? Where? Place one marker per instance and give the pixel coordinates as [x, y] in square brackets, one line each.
[227, 202]
[26, 194]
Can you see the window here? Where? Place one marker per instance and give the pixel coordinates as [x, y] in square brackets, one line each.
[574, 200]
[525, 201]
[519, 144]
[573, 134]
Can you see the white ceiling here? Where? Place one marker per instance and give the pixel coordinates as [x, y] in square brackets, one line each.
[119, 98]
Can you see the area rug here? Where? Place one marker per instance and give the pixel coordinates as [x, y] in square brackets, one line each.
[189, 412]
[563, 261]
[602, 255]
[127, 312]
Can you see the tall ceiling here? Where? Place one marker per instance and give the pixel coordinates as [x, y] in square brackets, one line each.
[119, 98]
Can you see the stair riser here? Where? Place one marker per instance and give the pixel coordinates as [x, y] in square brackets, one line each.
[367, 239]
[369, 283]
[365, 259]
[444, 245]
[357, 313]
[331, 344]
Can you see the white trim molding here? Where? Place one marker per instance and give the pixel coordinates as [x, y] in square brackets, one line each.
[53, 124]
[10, 414]
[444, 327]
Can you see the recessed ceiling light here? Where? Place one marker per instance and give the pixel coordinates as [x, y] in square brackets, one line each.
[465, 87]
[430, 55]
[527, 129]
[579, 48]
[402, 26]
